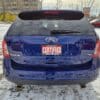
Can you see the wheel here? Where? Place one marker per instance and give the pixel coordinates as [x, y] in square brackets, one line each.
[19, 87]
[83, 85]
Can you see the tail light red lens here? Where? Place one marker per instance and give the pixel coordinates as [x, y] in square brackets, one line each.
[5, 49]
[97, 50]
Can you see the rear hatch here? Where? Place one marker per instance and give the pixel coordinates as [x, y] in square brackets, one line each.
[52, 43]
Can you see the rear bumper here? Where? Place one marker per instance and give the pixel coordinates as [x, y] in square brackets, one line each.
[47, 77]
[75, 77]
[49, 82]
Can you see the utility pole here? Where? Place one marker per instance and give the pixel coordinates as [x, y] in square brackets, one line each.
[40, 3]
[91, 2]
[81, 4]
[3, 9]
[57, 5]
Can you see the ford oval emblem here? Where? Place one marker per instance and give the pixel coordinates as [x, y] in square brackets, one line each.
[51, 39]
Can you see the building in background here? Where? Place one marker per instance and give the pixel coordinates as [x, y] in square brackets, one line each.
[90, 7]
[21, 5]
[16, 6]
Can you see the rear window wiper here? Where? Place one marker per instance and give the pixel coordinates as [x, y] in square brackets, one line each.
[63, 31]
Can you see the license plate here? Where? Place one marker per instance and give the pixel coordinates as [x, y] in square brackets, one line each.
[51, 50]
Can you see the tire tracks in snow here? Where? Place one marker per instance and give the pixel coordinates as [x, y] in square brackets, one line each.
[38, 92]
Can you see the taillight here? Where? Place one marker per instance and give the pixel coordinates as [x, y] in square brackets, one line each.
[5, 49]
[97, 50]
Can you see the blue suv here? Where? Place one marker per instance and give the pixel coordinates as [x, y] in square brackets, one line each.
[51, 47]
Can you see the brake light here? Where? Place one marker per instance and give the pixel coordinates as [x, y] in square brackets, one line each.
[51, 12]
[97, 50]
[5, 49]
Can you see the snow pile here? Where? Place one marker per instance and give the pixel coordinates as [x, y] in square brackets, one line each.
[98, 31]
[3, 30]
[96, 86]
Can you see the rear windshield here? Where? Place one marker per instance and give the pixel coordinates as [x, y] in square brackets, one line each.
[51, 25]
[51, 14]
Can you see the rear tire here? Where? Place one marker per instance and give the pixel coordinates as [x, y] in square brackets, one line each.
[83, 85]
[19, 87]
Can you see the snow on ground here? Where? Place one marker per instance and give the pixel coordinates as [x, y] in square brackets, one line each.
[98, 31]
[35, 92]
[3, 29]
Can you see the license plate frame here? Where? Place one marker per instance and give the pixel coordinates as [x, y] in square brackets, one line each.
[51, 50]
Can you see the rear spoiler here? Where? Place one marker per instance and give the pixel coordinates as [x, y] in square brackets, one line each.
[51, 14]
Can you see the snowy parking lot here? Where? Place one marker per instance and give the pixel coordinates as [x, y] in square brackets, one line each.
[35, 92]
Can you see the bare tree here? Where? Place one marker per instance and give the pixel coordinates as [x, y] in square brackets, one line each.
[58, 4]
[40, 3]
[3, 9]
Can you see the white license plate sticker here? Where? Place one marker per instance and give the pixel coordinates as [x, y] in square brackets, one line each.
[51, 50]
